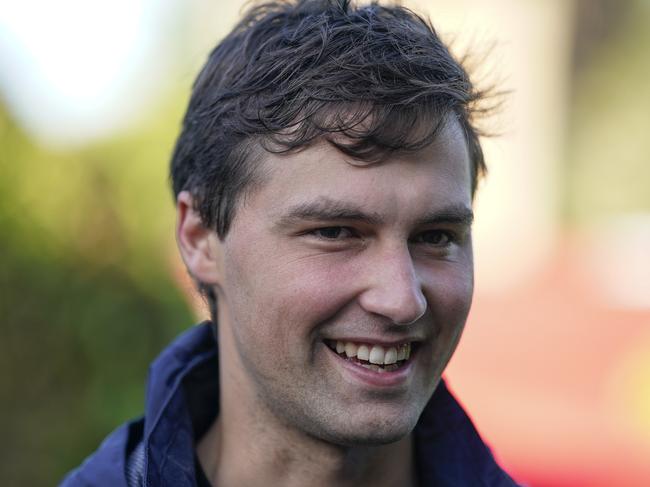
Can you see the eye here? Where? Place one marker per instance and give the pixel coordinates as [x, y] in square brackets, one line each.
[332, 233]
[437, 238]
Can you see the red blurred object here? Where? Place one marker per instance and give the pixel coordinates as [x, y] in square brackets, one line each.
[558, 381]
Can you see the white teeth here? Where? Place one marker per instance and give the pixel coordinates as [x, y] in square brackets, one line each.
[401, 352]
[363, 353]
[350, 349]
[391, 356]
[377, 355]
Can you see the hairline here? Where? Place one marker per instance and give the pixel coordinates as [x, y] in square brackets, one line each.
[255, 152]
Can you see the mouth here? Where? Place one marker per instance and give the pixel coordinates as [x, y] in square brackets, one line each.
[374, 357]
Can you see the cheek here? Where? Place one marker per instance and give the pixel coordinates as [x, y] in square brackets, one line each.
[284, 300]
[314, 289]
[449, 294]
[450, 298]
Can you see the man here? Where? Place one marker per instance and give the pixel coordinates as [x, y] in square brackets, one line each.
[324, 180]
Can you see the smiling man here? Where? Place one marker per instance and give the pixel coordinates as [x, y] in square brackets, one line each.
[324, 179]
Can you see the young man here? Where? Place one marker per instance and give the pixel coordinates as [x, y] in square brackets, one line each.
[324, 180]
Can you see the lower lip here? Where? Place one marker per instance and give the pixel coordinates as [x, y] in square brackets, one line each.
[370, 377]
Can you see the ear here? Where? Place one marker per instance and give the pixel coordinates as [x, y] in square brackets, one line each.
[200, 246]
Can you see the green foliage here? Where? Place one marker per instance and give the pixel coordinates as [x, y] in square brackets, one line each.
[87, 297]
[608, 171]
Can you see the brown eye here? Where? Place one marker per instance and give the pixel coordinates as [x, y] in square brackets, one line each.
[332, 233]
[438, 238]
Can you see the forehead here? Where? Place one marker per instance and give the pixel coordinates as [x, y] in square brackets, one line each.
[398, 187]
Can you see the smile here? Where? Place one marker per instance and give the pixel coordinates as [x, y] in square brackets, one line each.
[374, 357]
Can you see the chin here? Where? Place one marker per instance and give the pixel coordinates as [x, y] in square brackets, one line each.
[370, 438]
[372, 434]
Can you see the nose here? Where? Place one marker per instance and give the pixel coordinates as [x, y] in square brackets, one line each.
[393, 288]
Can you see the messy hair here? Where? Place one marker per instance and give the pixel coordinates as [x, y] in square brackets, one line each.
[371, 80]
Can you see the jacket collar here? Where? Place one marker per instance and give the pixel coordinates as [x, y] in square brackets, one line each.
[169, 431]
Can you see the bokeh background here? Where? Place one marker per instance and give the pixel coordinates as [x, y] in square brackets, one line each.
[554, 365]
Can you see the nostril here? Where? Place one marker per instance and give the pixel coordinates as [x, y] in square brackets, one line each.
[395, 292]
[417, 311]
[399, 308]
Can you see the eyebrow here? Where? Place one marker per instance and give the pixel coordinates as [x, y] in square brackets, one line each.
[455, 214]
[327, 209]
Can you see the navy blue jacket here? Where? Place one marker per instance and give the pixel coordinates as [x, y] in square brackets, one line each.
[182, 401]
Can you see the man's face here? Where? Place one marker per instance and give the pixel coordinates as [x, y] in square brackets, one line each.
[326, 253]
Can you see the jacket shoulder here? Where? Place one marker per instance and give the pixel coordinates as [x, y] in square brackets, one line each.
[107, 465]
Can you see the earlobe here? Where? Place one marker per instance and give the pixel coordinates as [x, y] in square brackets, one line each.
[199, 246]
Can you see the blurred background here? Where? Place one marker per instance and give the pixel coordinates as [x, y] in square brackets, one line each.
[554, 366]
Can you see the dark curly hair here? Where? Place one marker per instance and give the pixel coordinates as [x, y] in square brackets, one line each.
[371, 80]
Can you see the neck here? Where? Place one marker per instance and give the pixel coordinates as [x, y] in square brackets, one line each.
[230, 458]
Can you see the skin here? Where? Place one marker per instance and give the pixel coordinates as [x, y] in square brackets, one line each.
[329, 249]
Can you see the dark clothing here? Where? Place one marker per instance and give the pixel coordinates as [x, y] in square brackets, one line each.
[182, 400]
[201, 479]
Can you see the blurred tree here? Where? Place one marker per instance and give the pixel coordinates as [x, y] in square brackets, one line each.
[608, 171]
[87, 297]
